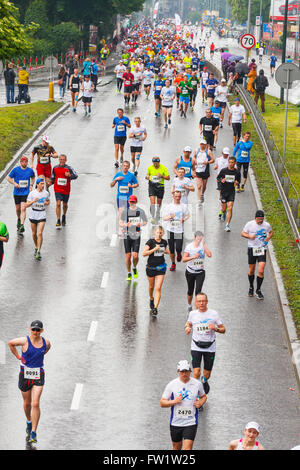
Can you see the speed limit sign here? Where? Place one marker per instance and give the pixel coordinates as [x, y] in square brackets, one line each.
[248, 41]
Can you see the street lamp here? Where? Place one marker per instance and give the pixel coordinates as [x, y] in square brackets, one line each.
[248, 30]
[284, 45]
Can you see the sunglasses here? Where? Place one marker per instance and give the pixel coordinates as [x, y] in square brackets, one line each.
[156, 161]
[35, 329]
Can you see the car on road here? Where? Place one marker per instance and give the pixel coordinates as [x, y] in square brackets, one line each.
[293, 8]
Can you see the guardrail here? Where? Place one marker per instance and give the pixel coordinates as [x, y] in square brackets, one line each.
[287, 191]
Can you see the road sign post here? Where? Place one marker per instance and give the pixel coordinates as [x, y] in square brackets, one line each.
[285, 75]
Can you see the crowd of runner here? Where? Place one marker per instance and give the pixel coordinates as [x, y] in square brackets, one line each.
[172, 68]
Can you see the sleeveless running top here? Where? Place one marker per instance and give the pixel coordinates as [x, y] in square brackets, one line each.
[34, 357]
[201, 157]
[75, 83]
[187, 166]
[240, 445]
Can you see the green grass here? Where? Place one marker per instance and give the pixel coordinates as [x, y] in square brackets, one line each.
[18, 123]
[274, 117]
[287, 253]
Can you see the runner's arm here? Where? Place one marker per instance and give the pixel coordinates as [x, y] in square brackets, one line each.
[14, 343]
[233, 445]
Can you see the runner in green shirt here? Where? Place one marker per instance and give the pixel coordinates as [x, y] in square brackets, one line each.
[194, 82]
[185, 91]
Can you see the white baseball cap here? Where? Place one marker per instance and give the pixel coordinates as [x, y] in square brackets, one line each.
[226, 150]
[45, 138]
[183, 365]
[253, 425]
[223, 80]
[203, 142]
[187, 149]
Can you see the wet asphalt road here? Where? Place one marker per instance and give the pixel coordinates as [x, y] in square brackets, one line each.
[124, 369]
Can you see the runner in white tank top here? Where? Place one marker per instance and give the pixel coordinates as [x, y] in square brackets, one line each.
[249, 442]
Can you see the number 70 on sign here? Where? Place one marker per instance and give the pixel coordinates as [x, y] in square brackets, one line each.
[248, 41]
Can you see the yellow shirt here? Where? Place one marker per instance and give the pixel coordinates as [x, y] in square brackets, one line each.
[23, 77]
[152, 172]
[187, 62]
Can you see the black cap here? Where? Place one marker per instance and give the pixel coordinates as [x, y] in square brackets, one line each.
[259, 213]
[37, 324]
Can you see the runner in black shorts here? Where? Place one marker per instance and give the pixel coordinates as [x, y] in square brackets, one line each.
[228, 178]
[131, 221]
[156, 268]
[208, 126]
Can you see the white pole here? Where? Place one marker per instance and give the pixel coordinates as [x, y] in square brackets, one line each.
[286, 114]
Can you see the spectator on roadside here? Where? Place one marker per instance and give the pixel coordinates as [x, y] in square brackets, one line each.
[72, 64]
[23, 84]
[62, 80]
[252, 64]
[9, 77]
[289, 60]
[252, 75]
[259, 85]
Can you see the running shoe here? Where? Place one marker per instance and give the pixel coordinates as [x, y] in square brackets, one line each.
[206, 387]
[227, 228]
[18, 224]
[135, 173]
[166, 126]
[28, 429]
[179, 257]
[251, 292]
[129, 277]
[38, 255]
[58, 224]
[184, 115]
[152, 304]
[86, 113]
[242, 188]
[169, 121]
[33, 438]
[190, 308]
[238, 189]
[221, 126]
[173, 267]
[154, 312]
[258, 295]
[135, 273]
[35, 252]
[181, 114]
[224, 216]
[202, 198]
[74, 110]
[158, 114]
[63, 221]
[220, 215]
[117, 164]
[21, 229]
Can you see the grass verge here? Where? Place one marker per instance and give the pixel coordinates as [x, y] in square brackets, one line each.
[287, 253]
[18, 123]
[274, 117]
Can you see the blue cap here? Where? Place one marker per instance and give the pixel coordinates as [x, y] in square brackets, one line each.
[237, 99]
[39, 180]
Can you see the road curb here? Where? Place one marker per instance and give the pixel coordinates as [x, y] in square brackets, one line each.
[286, 314]
[28, 144]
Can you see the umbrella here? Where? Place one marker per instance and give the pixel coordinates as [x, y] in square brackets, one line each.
[225, 55]
[235, 58]
[241, 67]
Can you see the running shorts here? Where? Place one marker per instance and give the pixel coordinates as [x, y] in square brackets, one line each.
[120, 140]
[210, 138]
[62, 197]
[19, 199]
[27, 384]
[208, 358]
[86, 99]
[136, 149]
[227, 197]
[156, 190]
[180, 433]
[132, 244]
[253, 259]
[237, 129]
[175, 241]
[44, 170]
[245, 166]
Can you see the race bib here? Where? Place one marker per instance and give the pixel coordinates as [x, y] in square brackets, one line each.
[244, 154]
[75, 85]
[184, 412]
[210, 87]
[121, 128]
[62, 181]
[123, 189]
[198, 263]
[39, 206]
[185, 91]
[208, 128]
[44, 160]
[202, 328]
[229, 178]
[216, 115]
[127, 83]
[158, 88]
[175, 223]
[156, 179]
[186, 170]
[32, 373]
[134, 220]
[23, 183]
[258, 251]
[200, 168]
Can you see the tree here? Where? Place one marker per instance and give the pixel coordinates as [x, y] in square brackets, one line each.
[37, 13]
[14, 40]
[240, 10]
[64, 35]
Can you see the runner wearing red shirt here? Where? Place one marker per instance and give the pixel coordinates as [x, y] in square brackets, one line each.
[44, 153]
[212, 50]
[61, 177]
[128, 79]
